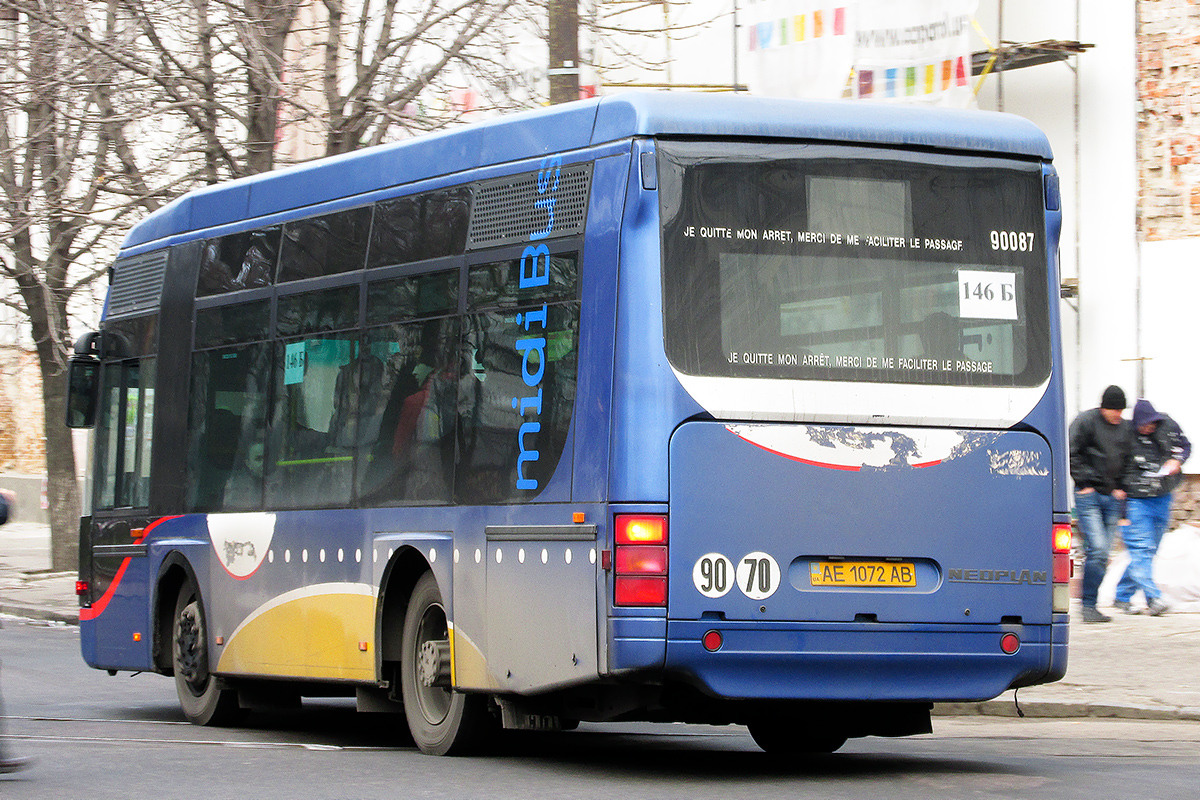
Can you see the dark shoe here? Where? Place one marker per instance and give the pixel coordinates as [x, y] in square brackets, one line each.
[1091, 614]
[1158, 607]
[14, 764]
[1126, 607]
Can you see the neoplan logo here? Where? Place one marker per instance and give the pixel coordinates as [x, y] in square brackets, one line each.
[1012, 577]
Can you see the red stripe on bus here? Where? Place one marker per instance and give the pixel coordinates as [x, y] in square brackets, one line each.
[97, 608]
[845, 467]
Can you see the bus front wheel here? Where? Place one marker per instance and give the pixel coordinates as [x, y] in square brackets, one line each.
[779, 737]
[442, 721]
[201, 696]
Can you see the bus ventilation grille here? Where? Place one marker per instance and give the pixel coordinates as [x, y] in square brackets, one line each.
[511, 210]
[137, 284]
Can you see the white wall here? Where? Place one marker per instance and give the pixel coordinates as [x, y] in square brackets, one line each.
[1089, 118]
[1170, 320]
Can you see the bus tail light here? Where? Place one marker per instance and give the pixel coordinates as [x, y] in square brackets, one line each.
[640, 560]
[1063, 566]
[640, 529]
[1062, 538]
[634, 591]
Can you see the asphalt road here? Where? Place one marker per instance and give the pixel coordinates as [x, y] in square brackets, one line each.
[101, 737]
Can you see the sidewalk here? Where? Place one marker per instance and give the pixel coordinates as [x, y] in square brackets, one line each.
[1135, 667]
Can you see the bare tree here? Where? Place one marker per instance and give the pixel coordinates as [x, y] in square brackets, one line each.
[68, 184]
[109, 109]
[239, 74]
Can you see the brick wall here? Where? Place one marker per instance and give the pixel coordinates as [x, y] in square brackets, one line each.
[1168, 77]
[1169, 122]
[22, 427]
[1186, 504]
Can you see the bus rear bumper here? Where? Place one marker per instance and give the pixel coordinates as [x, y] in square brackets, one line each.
[867, 661]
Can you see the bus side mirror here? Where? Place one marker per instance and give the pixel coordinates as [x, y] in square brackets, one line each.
[83, 382]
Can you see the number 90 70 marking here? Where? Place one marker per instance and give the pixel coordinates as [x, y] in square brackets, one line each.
[756, 575]
[713, 575]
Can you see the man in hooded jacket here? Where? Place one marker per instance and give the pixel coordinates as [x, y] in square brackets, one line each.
[1153, 471]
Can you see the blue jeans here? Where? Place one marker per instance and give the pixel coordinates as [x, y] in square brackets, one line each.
[1098, 517]
[1148, 521]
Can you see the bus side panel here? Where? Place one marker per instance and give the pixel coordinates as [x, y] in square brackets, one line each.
[115, 627]
[119, 635]
[646, 408]
[541, 603]
[593, 404]
[292, 594]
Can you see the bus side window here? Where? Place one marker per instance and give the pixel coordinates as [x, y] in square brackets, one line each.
[238, 261]
[410, 458]
[306, 462]
[227, 418]
[417, 227]
[326, 245]
[516, 400]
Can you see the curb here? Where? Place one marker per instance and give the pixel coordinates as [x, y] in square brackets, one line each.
[39, 614]
[1041, 709]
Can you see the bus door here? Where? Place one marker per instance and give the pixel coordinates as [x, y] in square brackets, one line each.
[114, 554]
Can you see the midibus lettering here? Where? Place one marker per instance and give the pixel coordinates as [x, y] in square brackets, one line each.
[548, 204]
[524, 455]
[530, 276]
[527, 346]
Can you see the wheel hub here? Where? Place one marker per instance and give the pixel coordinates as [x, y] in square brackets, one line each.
[433, 663]
[190, 655]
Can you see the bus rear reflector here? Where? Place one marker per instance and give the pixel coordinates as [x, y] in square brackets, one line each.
[640, 529]
[1062, 568]
[637, 591]
[641, 559]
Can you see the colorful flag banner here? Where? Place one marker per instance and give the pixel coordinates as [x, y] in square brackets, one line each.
[927, 40]
[798, 49]
[894, 50]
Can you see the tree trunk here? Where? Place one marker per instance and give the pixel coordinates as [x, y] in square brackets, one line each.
[564, 51]
[62, 489]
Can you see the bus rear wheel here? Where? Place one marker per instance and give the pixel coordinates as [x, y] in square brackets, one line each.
[783, 738]
[441, 720]
[201, 696]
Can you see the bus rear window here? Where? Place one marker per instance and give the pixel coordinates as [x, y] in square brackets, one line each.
[826, 264]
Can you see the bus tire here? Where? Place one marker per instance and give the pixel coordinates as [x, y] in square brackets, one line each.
[783, 738]
[203, 699]
[442, 721]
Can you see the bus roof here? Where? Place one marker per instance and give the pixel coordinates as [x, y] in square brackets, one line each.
[572, 126]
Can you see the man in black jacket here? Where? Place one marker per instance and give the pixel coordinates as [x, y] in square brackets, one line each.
[1101, 441]
[1154, 470]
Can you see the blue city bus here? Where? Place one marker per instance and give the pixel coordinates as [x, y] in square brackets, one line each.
[658, 407]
